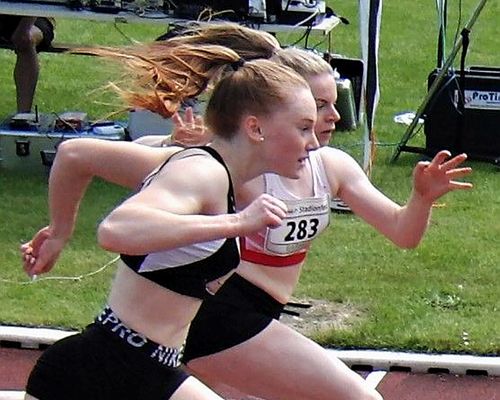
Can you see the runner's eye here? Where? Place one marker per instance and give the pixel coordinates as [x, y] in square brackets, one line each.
[320, 104]
[308, 129]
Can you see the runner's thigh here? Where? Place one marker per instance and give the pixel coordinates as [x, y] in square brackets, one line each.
[280, 363]
[193, 389]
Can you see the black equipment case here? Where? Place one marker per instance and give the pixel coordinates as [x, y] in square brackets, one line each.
[464, 114]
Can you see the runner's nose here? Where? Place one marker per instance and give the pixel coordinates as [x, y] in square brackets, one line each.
[312, 143]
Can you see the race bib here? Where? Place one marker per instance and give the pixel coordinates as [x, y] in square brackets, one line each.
[305, 220]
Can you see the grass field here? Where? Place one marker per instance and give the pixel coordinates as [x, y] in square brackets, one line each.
[442, 296]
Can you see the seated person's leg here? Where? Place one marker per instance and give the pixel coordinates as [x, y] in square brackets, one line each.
[25, 39]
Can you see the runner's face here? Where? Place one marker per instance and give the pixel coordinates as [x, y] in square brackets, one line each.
[324, 90]
[289, 133]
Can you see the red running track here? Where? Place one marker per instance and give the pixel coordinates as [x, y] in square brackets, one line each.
[16, 363]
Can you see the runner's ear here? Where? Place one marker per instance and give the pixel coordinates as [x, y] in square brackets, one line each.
[251, 126]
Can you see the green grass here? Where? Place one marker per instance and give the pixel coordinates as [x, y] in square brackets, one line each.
[65, 303]
[442, 296]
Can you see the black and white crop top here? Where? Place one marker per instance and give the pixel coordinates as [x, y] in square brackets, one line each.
[187, 270]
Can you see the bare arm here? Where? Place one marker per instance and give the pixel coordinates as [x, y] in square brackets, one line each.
[403, 225]
[184, 204]
[77, 162]
[155, 140]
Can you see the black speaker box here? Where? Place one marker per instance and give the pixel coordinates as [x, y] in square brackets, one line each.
[476, 130]
[352, 69]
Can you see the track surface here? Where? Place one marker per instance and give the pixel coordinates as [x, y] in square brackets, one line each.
[16, 363]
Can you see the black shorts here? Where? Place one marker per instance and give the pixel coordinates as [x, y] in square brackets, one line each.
[8, 24]
[237, 312]
[96, 365]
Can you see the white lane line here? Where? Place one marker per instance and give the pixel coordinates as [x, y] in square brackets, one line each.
[374, 378]
[376, 360]
[11, 395]
[32, 337]
[459, 364]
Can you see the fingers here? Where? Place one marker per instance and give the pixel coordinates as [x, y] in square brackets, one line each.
[280, 208]
[460, 185]
[33, 260]
[454, 162]
[177, 120]
[27, 257]
[25, 246]
[443, 160]
[265, 211]
[39, 265]
[440, 157]
[39, 239]
[422, 165]
[276, 210]
[277, 216]
[275, 204]
[458, 172]
[189, 116]
[29, 262]
[443, 163]
[451, 170]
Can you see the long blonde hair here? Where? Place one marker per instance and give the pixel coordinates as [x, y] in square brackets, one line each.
[249, 43]
[160, 74]
[250, 71]
[305, 62]
[160, 84]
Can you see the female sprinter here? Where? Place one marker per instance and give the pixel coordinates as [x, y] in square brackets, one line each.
[236, 337]
[176, 235]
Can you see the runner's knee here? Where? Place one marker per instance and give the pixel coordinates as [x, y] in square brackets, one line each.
[25, 41]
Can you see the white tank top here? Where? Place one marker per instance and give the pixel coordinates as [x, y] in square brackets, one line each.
[306, 218]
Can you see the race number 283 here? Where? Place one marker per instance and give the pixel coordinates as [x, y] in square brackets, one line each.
[302, 229]
[306, 219]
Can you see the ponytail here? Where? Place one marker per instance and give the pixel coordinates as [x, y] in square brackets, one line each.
[160, 84]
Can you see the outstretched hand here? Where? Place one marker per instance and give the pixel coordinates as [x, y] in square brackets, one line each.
[41, 253]
[189, 131]
[433, 179]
